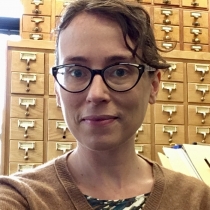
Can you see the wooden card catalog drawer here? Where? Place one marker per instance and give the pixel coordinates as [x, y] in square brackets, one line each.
[26, 107]
[26, 151]
[57, 148]
[196, 47]
[170, 91]
[168, 45]
[198, 72]
[198, 93]
[58, 131]
[196, 35]
[174, 73]
[199, 134]
[168, 134]
[166, 33]
[167, 2]
[195, 3]
[198, 115]
[54, 111]
[51, 85]
[166, 16]
[36, 24]
[27, 62]
[37, 7]
[143, 134]
[195, 18]
[21, 167]
[169, 113]
[27, 83]
[143, 149]
[27, 129]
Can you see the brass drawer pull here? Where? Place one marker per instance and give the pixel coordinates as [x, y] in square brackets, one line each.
[170, 110]
[26, 146]
[62, 125]
[36, 36]
[203, 89]
[27, 78]
[203, 131]
[166, 1]
[203, 68]
[26, 124]
[37, 2]
[171, 69]
[197, 48]
[27, 102]
[170, 87]
[28, 56]
[195, 4]
[170, 129]
[139, 149]
[203, 110]
[64, 147]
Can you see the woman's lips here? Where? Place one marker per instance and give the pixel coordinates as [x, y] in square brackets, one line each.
[99, 119]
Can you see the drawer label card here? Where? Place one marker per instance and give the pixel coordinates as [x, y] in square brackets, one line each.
[64, 147]
[26, 146]
[170, 130]
[139, 149]
[204, 110]
[37, 2]
[203, 131]
[23, 167]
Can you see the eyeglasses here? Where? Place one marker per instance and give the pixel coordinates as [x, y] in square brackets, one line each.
[119, 77]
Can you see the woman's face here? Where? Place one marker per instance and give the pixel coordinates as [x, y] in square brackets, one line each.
[98, 117]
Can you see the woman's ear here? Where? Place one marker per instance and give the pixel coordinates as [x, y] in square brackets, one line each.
[155, 82]
[57, 95]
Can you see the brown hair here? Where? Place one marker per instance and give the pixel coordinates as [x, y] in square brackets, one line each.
[133, 20]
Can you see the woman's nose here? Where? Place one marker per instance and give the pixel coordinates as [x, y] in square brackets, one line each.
[98, 91]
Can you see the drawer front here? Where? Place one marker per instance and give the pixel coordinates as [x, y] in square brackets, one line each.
[166, 16]
[199, 134]
[26, 107]
[57, 148]
[21, 167]
[36, 36]
[26, 151]
[198, 72]
[43, 7]
[36, 24]
[198, 115]
[20, 84]
[27, 129]
[196, 47]
[167, 2]
[51, 85]
[168, 45]
[169, 113]
[167, 134]
[195, 4]
[143, 149]
[143, 134]
[174, 72]
[170, 91]
[198, 93]
[58, 131]
[195, 19]
[54, 111]
[196, 35]
[27, 62]
[166, 33]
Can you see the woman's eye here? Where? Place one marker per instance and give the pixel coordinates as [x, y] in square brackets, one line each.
[120, 72]
[76, 73]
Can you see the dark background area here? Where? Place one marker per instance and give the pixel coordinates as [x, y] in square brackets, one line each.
[10, 26]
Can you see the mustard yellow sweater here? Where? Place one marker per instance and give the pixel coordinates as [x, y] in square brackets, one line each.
[51, 187]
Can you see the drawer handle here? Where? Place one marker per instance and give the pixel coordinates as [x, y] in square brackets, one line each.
[139, 149]
[167, 45]
[197, 48]
[64, 147]
[203, 89]
[203, 69]
[141, 129]
[37, 2]
[203, 110]
[26, 146]
[171, 69]
[170, 110]
[37, 29]
[62, 125]
[196, 31]
[203, 131]
[27, 78]
[196, 15]
[37, 20]
[196, 40]
[24, 167]
[195, 4]
[167, 31]
[170, 87]
[27, 102]
[37, 11]
[28, 56]
[170, 130]
[196, 23]
[26, 124]
[36, 36]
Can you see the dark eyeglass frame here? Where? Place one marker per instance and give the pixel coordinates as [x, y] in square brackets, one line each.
[141, 67]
